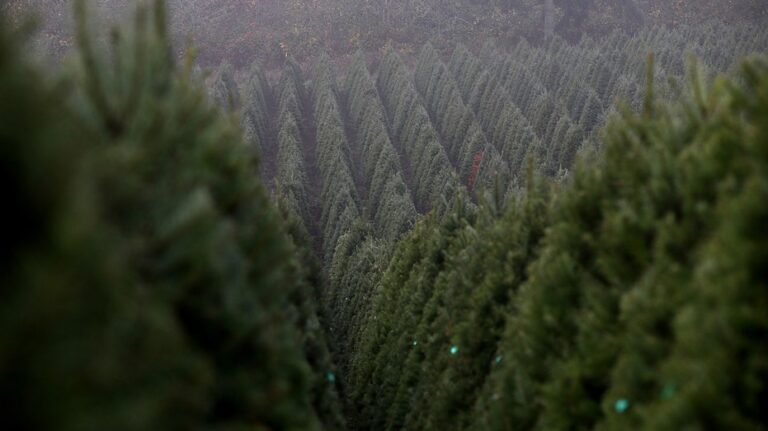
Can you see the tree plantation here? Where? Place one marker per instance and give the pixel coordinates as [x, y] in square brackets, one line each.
[566, 232]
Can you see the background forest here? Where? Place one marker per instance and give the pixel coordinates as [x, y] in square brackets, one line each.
[421, 215]
[239, 31]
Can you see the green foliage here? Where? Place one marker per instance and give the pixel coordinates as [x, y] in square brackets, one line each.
[291, 176]
[349, 247]
[503, 123]
[225, 91]
[435, 181]
[462, 135]
[549, 101]
[292, 190]
[633, 301]
[304, 306]
[469, 293]
[156, 276]
[390, 205]
[339, 195]
[607, 278]
[256, 122]
[358, 263]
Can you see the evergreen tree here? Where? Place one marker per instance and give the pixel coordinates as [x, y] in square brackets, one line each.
[258, 105]
[157, 275]
[225, 90]
[586, 313]
[434, 178]
[390, 207]
[291, 178]
[476, 161]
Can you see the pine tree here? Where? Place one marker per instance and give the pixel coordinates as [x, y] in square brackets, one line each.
[339, 194]
[170, 266]
[256, 118]
[434, 178]
[381, 163]
[225, 90]
[585, 318]
[463, 136]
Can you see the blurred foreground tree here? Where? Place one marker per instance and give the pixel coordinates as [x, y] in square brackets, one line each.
[148, 282]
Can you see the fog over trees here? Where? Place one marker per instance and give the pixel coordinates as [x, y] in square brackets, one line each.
[240, 30]
[384, 214]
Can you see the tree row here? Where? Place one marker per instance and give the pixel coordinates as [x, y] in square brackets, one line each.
[631, 297]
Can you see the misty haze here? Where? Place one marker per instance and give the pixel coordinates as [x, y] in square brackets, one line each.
[384, 215]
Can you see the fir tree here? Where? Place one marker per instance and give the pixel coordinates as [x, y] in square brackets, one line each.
[170, 266]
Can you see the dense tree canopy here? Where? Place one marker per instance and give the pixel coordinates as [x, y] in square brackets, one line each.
[473, 215]
[153, 275]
